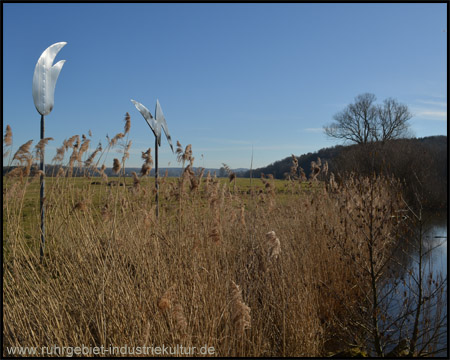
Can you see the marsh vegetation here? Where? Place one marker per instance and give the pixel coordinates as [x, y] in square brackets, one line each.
[260, 267]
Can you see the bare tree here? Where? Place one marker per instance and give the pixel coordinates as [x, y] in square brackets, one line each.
[392, 120]
[363, 121]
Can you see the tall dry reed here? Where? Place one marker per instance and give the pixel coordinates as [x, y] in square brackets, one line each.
[114, 274]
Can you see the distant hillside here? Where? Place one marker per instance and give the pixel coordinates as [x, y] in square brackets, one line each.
[435, 144]
[419, 162]
[52, 170]
[279, 168]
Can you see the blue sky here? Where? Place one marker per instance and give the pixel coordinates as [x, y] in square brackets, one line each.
[229, 77]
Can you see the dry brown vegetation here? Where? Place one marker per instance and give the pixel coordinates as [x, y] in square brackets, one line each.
[265, 273]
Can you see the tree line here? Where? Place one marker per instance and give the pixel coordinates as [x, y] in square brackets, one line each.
[414, 161]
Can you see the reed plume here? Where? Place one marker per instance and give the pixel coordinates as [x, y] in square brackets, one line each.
[148, 162]
[114, 140]
[136, 180]
[127, 123]
[294, 167]
[103, 174]
[60, 172]
[91, 157]
[81, 206]
[187, 153]
[208, 181]
[183, 156]
[179, 149]
[315, 169]
[27, 168]
[15, 172]
[83, 148]
[240, 312]
[165, 302]
[7, 139]
[59, 154]
[272, 244]
[41, 145]
[180, 319]
[302, 175]
[23, 152]
[196, 179]
[116, 165]
[230, 173]
[126, 153]
[106, 212]
[73, 158]
[333, 186]
[325, 168]
[69, 143]
[214, 234]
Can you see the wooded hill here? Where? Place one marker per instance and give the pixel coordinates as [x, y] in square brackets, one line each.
[419, 162]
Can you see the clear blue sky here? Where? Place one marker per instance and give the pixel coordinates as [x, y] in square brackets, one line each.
[228, 76]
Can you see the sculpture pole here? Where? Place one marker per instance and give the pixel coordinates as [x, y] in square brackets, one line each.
[42, 192]
[43, 90]
[156, 177]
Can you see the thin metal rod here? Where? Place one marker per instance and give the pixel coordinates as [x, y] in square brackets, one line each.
[42, 192]
[156, 177]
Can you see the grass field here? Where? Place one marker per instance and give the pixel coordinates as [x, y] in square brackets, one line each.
[271, 268]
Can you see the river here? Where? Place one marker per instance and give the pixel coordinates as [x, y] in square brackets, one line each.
[435, 241]
[434, 273]
[436, 237]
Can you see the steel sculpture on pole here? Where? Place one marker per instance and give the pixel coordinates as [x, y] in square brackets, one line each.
[155, 123]
[44, 83]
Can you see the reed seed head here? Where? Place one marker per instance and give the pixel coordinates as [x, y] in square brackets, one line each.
[23, 152]
[166, 300]
[273, 245]
[127, 123]
[7, 139]
[180, 319]
[240, 312]
[116, 166]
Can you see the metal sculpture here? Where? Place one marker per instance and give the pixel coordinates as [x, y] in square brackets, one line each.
[44, 83]
[155, 123]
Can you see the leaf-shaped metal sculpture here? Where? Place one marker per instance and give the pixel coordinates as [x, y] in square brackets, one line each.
[44, 78]
[44, 82]
[161, 123]
[155, 123]
[147, 116]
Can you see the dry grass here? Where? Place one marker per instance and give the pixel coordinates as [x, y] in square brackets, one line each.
[209, 270]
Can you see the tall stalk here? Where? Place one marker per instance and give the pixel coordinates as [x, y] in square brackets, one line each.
[156, 178]
[415, 332]
[42, 193]
[373, 278]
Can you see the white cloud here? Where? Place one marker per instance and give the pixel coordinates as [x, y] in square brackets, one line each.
[431, 115]
[434, 110]
[433, 102]
[226, 141]
[313, 130]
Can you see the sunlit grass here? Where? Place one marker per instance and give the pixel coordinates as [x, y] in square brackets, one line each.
[252, 267]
